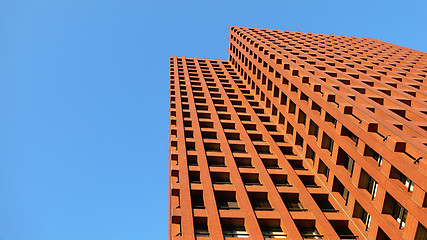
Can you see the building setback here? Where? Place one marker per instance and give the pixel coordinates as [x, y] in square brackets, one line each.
[299, 136]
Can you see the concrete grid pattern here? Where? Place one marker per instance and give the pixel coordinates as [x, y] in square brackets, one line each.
[299, 136]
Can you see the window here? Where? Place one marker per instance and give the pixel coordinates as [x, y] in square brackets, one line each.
[310, 233]
[243, 162]
[345, 160]
[283, 99]
[238, 148]
[329, 118]
[310, 154]
[307, 229]
[233, 228]
[294, 205]
[360, 213]
[259, 201]
[192, 160]
[341, 228]
[370, 152]
[280, 180]
[273, 233]
[250, 179]
[299, 140]
[308, 181]
[323, 202]
[301, 117]
[270, 228]
[349, 164]
[313, 129]
[345, 193]
[297, 164]
[339, 187]
[220, 178]
[408, 182]
[261, 204]
[382, 236]
[194, 177]
[421, 232]
[327, 143]
[368, 183]
[349, 134]
[395, 209]
[292, 107]
[372, 187]
[201, 227]
[197, 199]
[323, 169]
[289, 129]
[235, 232]
[399, 213]
[216, 161]
[378, 158]
[226, 200]
[316, 107]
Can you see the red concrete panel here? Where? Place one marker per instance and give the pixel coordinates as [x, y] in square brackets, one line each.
[301, 136]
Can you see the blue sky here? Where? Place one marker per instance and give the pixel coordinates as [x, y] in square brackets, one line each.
[84, 100]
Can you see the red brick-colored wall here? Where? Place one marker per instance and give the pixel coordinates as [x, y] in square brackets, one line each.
[293, 105]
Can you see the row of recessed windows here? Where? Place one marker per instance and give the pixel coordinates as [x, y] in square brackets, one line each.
[270, 228]
[226, 200]
[235, 228]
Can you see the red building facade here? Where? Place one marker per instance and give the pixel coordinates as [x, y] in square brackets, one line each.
[299, 136]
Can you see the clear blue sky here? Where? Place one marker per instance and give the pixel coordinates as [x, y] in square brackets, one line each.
[84, 100]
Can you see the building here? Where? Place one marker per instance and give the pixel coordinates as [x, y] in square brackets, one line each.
[299, 136]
